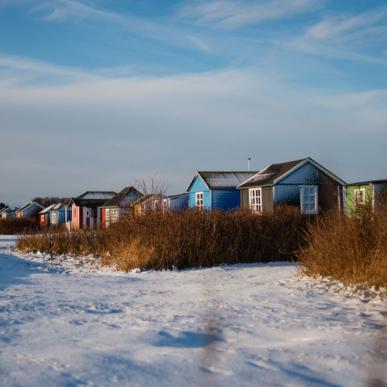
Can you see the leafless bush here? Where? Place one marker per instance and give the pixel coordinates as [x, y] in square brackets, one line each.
[350, 249]
[12, 226]
[159, 240]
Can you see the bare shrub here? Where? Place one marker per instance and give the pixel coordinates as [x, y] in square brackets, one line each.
[350, 249]
[159, 240]
[13, 226]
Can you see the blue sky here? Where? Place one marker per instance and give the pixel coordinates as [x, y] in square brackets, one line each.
[97, 94]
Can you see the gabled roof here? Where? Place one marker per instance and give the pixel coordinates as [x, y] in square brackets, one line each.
[222, 179]
[177, 195]
[97, 195]
[147, 197]
[48, 209]
[268, 175]
[274, 173]
[93, 198]
[4, 209]
[23, 208]
[58, 206]
[121, 198]
[380, 181]
[7, 209]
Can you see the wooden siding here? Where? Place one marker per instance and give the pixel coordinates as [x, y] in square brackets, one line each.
[288, 190]
[330, 193]
[60, 216]
[244, 198]
[307, 174]
[76, 217]
[380, 193]
[350, 196]
[225, 199]
[178, 202]
[267, 199]
[198, 185]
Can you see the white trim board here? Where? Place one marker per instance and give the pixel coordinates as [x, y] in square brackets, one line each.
[192, 180]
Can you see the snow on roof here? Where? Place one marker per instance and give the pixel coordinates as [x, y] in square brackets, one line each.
[225, 179]
[25, 206]
[47, 209]
[96, 195]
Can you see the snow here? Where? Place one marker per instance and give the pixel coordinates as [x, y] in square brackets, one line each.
[243, 325]
[225, 179]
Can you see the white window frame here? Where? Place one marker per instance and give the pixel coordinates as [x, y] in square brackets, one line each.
[166, 204]
[54, 217]
[255, 200]
[107, 216]
[302, 199]
[355, 192]
[344, 198]
[113, 215]
[199, 200]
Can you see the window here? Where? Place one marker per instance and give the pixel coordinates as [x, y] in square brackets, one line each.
[107, 216]
[255, 199]
[309, 199]
[199, 200]
[53, 217]
[113, 215]
[360, 197]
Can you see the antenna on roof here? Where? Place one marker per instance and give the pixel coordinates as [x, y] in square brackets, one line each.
[248, 163]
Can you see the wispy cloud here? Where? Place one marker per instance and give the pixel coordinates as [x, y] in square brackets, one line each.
[167, 118]
[350, 27]
[360, 38]
[34, 66]
[166, 32]
[235, 13]
[201, 43]
[61, 10]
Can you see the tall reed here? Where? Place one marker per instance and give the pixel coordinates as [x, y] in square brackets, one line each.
[185, 239]
[350, 249]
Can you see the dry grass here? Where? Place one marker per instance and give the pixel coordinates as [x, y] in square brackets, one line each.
[13, 226]
[64, 242]
[185, 239]
[352, 250]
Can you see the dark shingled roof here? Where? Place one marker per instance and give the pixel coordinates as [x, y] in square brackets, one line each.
[121, 198]
[270, 173]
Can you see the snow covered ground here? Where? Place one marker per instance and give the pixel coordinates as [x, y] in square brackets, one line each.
[244, 325]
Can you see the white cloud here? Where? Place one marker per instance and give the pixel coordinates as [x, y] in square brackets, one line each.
[31, 68]
[166, 32]
[233, 13]
[104, 133]
[360, 38]
[349, 27]
[200, 43]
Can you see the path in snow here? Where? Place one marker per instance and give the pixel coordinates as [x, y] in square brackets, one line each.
[239, 325]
